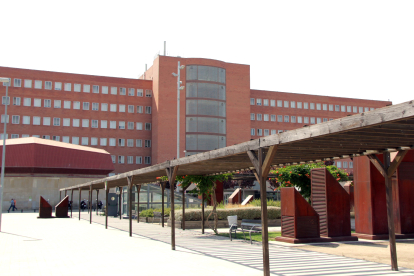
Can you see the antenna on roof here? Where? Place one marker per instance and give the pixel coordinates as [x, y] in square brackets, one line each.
[165, 48]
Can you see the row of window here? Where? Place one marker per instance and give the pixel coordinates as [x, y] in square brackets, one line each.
[344, 164]
[38, 84]
[84, 141]
[76, 105]
[267, 132]
[130, 159]
[305, 105]
[47, 121]
[287, 119]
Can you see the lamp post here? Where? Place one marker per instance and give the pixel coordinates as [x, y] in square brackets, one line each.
[179, 88]
[3, 157]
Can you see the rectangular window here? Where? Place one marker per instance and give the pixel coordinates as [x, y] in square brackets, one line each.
[139, 126]
[252, 132]
[138, 143]
[94, 123]
[113, 157]
[292, 104]
[56, 121]
[131, 92]
[147, 143]
[286, 119]
[94, 141]
[273, 118]
[318, 120]
[85, 106]
[339, 164]
[273, 131]
[351, 164]
[148, 93]
[355, 109]
[112, 107]
[16, 100]
[5, 101]
[86, 88]
[366, 109]
[266, 132]
[345, 164]
[46, 121]
[131, 109]
[121, 125]
[26, 120]
[371, 108]
[104, 107]
[361, 109]
[56, 138]
[122, 91]
[75, 122]
[36, 120]
[85, 141]
[343, 108]
[318, 106]
[138, 159]
[17, 83]
[66, 122]
[112, 142]
[65, 139]
[299, 105]
[331, 107]
[28, 83]
[47, 103]
[140, 93]
[95, 106]
[48, 85]
[77, 87]
[265, 102]
[104, 89]
[147, 126]
[130, 159]
[293, 119]
[325, 107]
[16, 119]
[259, 132]
[312, 105]
[306, 120]
[2, 119]
[337, 108]
[104, 124]
[279, 103]
[266, 117]
[121, 108]
[130, 142]
[130, 125]
[139, 109]
[38, 84]
[272, 103]
[147, 160]
[85, 122]
[112, 124]
[305, 106]
[300, 119]
[95, 89]
[46, 137]
[148, 109]
[27, 101]
[349, 108]
[286, 104]
[103, 142]
[258, 101]
[121, 142]
[66, 104]
[114, 90]
[57, 103]
[312, 120]
[279, 118]
[259, 117]
[325, 119]
[68, 87]
[76, 105]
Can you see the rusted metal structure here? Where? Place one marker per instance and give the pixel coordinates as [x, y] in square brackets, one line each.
[366, 134]
[332, 204]
[45, 209]
[300, 222]
[62, 208]
[236, 197]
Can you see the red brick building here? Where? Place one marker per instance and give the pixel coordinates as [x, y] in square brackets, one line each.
[136, 119]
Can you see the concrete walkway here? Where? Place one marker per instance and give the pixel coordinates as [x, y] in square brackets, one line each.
[31, 246]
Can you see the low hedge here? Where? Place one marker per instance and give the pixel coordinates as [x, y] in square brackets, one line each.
[242, 213]
[149, 213]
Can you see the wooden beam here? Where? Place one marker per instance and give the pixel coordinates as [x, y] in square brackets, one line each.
[171, 174]
[90, 205]
[202, 214]
[130, 179]
[71, 203]
[97, 199]
[138, 191]
[80, 193]
[162, 185]
[378, 164]
[120, 202]
[106, 204]
[271, 153]
[396, 162]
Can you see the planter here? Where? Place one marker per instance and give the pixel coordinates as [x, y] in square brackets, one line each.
[196, 224]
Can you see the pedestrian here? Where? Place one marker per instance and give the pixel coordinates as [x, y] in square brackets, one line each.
[15, 204]
[11, 205]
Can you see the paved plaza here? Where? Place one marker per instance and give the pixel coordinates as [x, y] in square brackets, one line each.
[31, 246]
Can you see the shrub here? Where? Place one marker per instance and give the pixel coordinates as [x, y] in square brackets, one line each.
[242, 213]
[149, 213]
[257, 202]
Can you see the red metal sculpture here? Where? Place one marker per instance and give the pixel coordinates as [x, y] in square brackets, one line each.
[61, 209]
[45, 209]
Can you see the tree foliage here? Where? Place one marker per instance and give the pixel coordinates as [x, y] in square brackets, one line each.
[299, 176]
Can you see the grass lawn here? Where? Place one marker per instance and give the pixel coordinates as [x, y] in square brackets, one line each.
[255, 236]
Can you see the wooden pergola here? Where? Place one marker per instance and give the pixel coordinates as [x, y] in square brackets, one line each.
[384, 130]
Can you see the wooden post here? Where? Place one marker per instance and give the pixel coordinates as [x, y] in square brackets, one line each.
[90, 204]
[106, 204]
[138, 190]
[66, 193]
[60, 195]
[202, 214]
[387, 169]
[162, 184]
[80, 192]
[130, 179]
[172, 173]
[71, 203]
[97, 198]
[120, 202]
[262, 168]
[183, 216]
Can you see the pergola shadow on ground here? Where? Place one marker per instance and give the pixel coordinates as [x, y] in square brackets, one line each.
[385, 130]
[283, 260]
